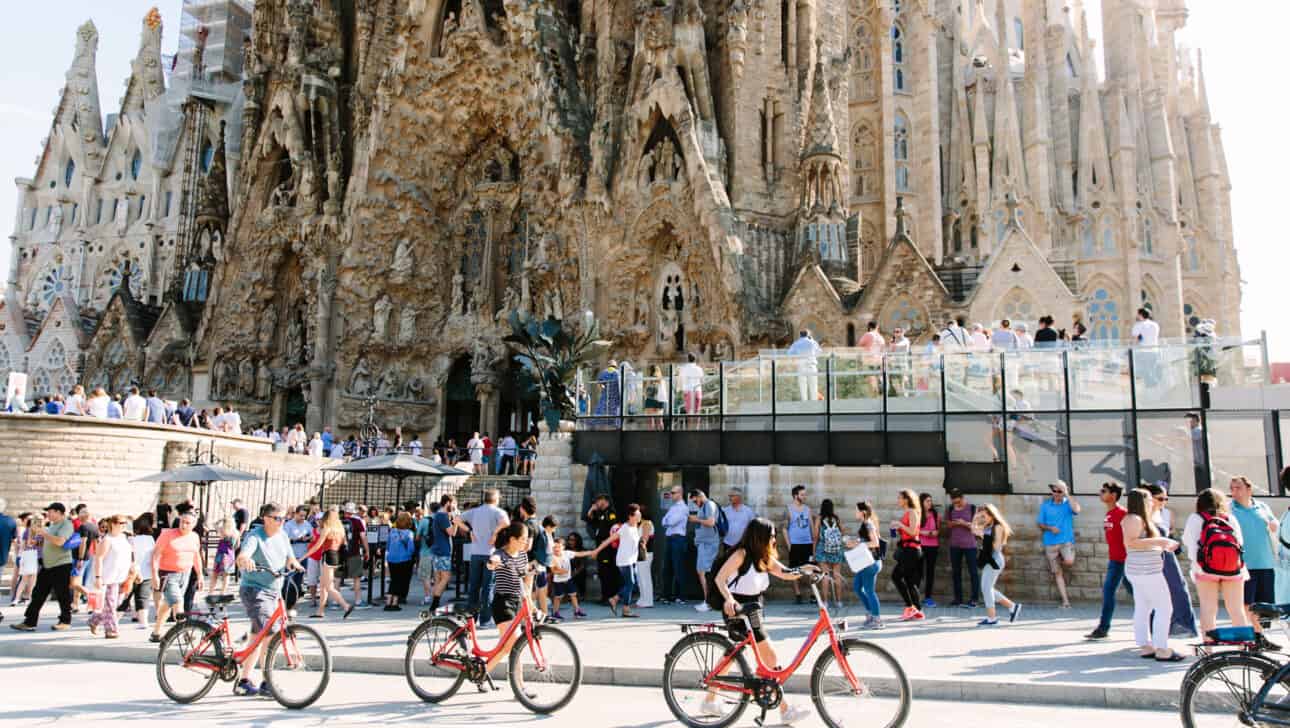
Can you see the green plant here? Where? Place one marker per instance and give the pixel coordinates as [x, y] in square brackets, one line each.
[551, 352]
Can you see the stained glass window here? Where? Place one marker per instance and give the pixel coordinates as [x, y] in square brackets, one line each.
[1103, 316]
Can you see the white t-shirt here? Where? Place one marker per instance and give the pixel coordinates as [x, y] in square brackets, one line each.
[979, 341]
[415, 447]
[338, 450]
[143, 544]
[74, 404]
[691, 376]
[1191, 537]
[98, 406]
[562, 562]
[629, 541]
[233, 423]
[135, 408]
[899, 346]
[315, 447]
[1146, 333]
[116, 563]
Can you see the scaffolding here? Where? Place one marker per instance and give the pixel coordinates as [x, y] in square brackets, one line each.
[218, 29]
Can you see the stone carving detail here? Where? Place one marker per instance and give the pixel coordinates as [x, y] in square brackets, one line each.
[407, 325]
[264, 382]
[381, 318]
[360, 379]
[246, 379]
[56, 220]
[403, 265]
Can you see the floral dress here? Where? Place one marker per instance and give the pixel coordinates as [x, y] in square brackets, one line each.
[224, 556]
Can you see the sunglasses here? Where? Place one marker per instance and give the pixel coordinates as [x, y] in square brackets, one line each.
[274, 518]
[1162, 499]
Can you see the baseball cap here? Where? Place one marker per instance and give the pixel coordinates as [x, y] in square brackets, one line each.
[56, 506]
[351, 508]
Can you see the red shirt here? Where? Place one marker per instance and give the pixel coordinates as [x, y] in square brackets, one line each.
[1115, 533]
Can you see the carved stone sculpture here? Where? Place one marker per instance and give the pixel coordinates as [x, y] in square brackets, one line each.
[407, 325]
[381, 317]
[360, 380]
[246, 378]
[268, 324]
[402, 267]
[264, 382]
[56, 220]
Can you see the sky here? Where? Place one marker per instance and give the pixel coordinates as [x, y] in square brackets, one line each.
[1241, 49]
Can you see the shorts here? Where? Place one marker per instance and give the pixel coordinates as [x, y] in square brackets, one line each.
[259, 605]
[353, 567]
[539, 581]
[1261, 587]
[331, 558]
[1198, 576]
[562, 588]
[425, 566]
[173, 586]
[78, 568]
[442, 563]
[505, 607]
[799, 554]
[736, 626]
[312, 570]
[1064, 551]
[707, 554]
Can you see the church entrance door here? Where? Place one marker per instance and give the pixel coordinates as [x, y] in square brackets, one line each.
[295, 409]
[461, 415]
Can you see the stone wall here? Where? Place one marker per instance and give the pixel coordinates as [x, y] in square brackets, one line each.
[47, 458]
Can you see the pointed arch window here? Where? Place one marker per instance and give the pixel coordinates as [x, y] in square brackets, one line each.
[1108, 239]
[68, 171]
[1193, 255]
[1020, 31]
[208, 156]
[136, 165]
[900, 151]
[864, 151]
[1148, 238]
[1103, 316]
[898, 57]
[1088, 240]
[866, 87]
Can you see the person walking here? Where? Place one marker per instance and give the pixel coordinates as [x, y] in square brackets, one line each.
[357, 552]
[175, 559]
[675, 523]
[1144, 567]
[300, 532]
[1258, 529]
[484, 522]
[1115, 513]
[929, 539]
[627, 537]
[399, 552]
[829, 551]
[865, 582]
[112, 560]
[909, 567]
[963, 549]
[738, 516]
[264, 553]
[1057, 523]
[995, 532]
[508, 565]
[1214, 544]
[142, 542]
[1183, 622]
[55, 574]
[562, 582]
[225, 555]
[704, 518]
[801, 534]
[28, 560]
[443, 528]
[601, 520]
[327, 544]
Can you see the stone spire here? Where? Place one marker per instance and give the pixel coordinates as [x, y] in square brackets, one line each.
[821, 165]
[821, 129]
[80, 110]
[1202, 91]
[147, 79]
[1094, 159]
[1009, 173]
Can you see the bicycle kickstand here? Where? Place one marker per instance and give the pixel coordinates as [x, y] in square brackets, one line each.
[761, 719]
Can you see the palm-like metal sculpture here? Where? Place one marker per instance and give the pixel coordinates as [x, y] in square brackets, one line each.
[551, 351]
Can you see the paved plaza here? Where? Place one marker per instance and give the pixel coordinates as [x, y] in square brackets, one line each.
[1041, 659]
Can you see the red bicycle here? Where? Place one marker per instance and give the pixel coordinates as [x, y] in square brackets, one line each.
[198, 651]
[708, 684]
[545, 669]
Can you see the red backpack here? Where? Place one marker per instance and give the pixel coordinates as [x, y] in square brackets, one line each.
[1219, 552]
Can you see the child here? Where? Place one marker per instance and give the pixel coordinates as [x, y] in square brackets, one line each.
[29, 559]
[562, 575]
[578, 565]
[225, 554]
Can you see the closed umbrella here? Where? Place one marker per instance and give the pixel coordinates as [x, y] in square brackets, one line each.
[597, 482]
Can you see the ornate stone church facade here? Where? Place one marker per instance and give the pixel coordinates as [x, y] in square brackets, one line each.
[705, 176]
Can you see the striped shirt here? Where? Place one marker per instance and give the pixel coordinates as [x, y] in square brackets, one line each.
[509, 576]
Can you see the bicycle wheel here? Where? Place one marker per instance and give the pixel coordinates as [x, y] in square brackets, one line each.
[189, 661]
[431, 680]
[879, 698]
[546, 674]
[1220, 688]
[685, 685]
[297, 665]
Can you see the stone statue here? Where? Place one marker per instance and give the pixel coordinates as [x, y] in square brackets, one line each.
[403, 264]
[458, 293]
[217, 245]
[264, 383]
[122, 214]
[388, 387]
[204, 244]
[268, 325]
[56, 220]
[360, 380]
[645, 171]
[246, 378]
[407, 325]
[284, 195]
[449, 25]
[295, 339]
[663, 168]
[381, 317]
[415, 389]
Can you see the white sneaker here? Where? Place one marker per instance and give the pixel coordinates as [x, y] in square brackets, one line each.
[710, 708]
[702, 607]
[794, 713]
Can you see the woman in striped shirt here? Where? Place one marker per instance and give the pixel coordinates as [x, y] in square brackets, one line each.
[509, 564]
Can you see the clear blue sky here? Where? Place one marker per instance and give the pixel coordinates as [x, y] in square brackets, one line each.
[1244, 52]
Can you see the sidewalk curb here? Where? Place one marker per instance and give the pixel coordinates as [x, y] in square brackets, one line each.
[981, 691]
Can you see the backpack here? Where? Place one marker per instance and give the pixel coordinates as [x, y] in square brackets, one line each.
[1219, 552]
[348, 524]
[425, 531]
[715, 600]
[831, 542]
[723, 523]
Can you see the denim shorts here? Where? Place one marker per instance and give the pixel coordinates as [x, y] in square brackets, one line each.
[707, 554]
[259, 605]
[173, 586]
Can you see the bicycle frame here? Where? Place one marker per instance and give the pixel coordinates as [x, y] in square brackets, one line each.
[221, 632]
[823, 625]
[524, 618]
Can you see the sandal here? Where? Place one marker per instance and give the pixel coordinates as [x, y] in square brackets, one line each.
[1173, 657]
[613, 608]
[348, 612]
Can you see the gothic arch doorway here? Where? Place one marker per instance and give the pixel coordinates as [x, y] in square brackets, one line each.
[294, 408]
[461, 411]
[519, 409]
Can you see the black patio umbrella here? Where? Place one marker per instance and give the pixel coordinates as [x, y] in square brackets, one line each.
[197, 473]
[399, 466]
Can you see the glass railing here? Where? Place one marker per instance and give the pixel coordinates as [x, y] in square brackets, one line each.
[856, 382]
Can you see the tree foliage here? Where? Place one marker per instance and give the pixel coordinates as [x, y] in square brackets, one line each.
[551, 351]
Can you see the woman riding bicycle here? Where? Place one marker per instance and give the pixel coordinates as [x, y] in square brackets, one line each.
[741, 581]
[510, 565]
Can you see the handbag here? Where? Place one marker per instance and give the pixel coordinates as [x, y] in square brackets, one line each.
[73, 541]
[860, 557]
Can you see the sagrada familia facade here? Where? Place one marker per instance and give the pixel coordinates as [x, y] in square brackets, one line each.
[341, 200]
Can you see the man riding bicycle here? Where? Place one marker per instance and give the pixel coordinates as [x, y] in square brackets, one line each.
[265, 553]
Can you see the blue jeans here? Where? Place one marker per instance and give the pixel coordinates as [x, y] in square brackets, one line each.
[479, 592]
[1111, 584]
[957, 557]
[676, 551]
[628, 576]
[864, 587]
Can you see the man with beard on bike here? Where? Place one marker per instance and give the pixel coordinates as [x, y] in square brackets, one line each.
[264, 553]
[740, 583]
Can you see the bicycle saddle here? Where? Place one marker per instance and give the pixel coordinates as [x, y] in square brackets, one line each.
[215, 600]
[1271, 611]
